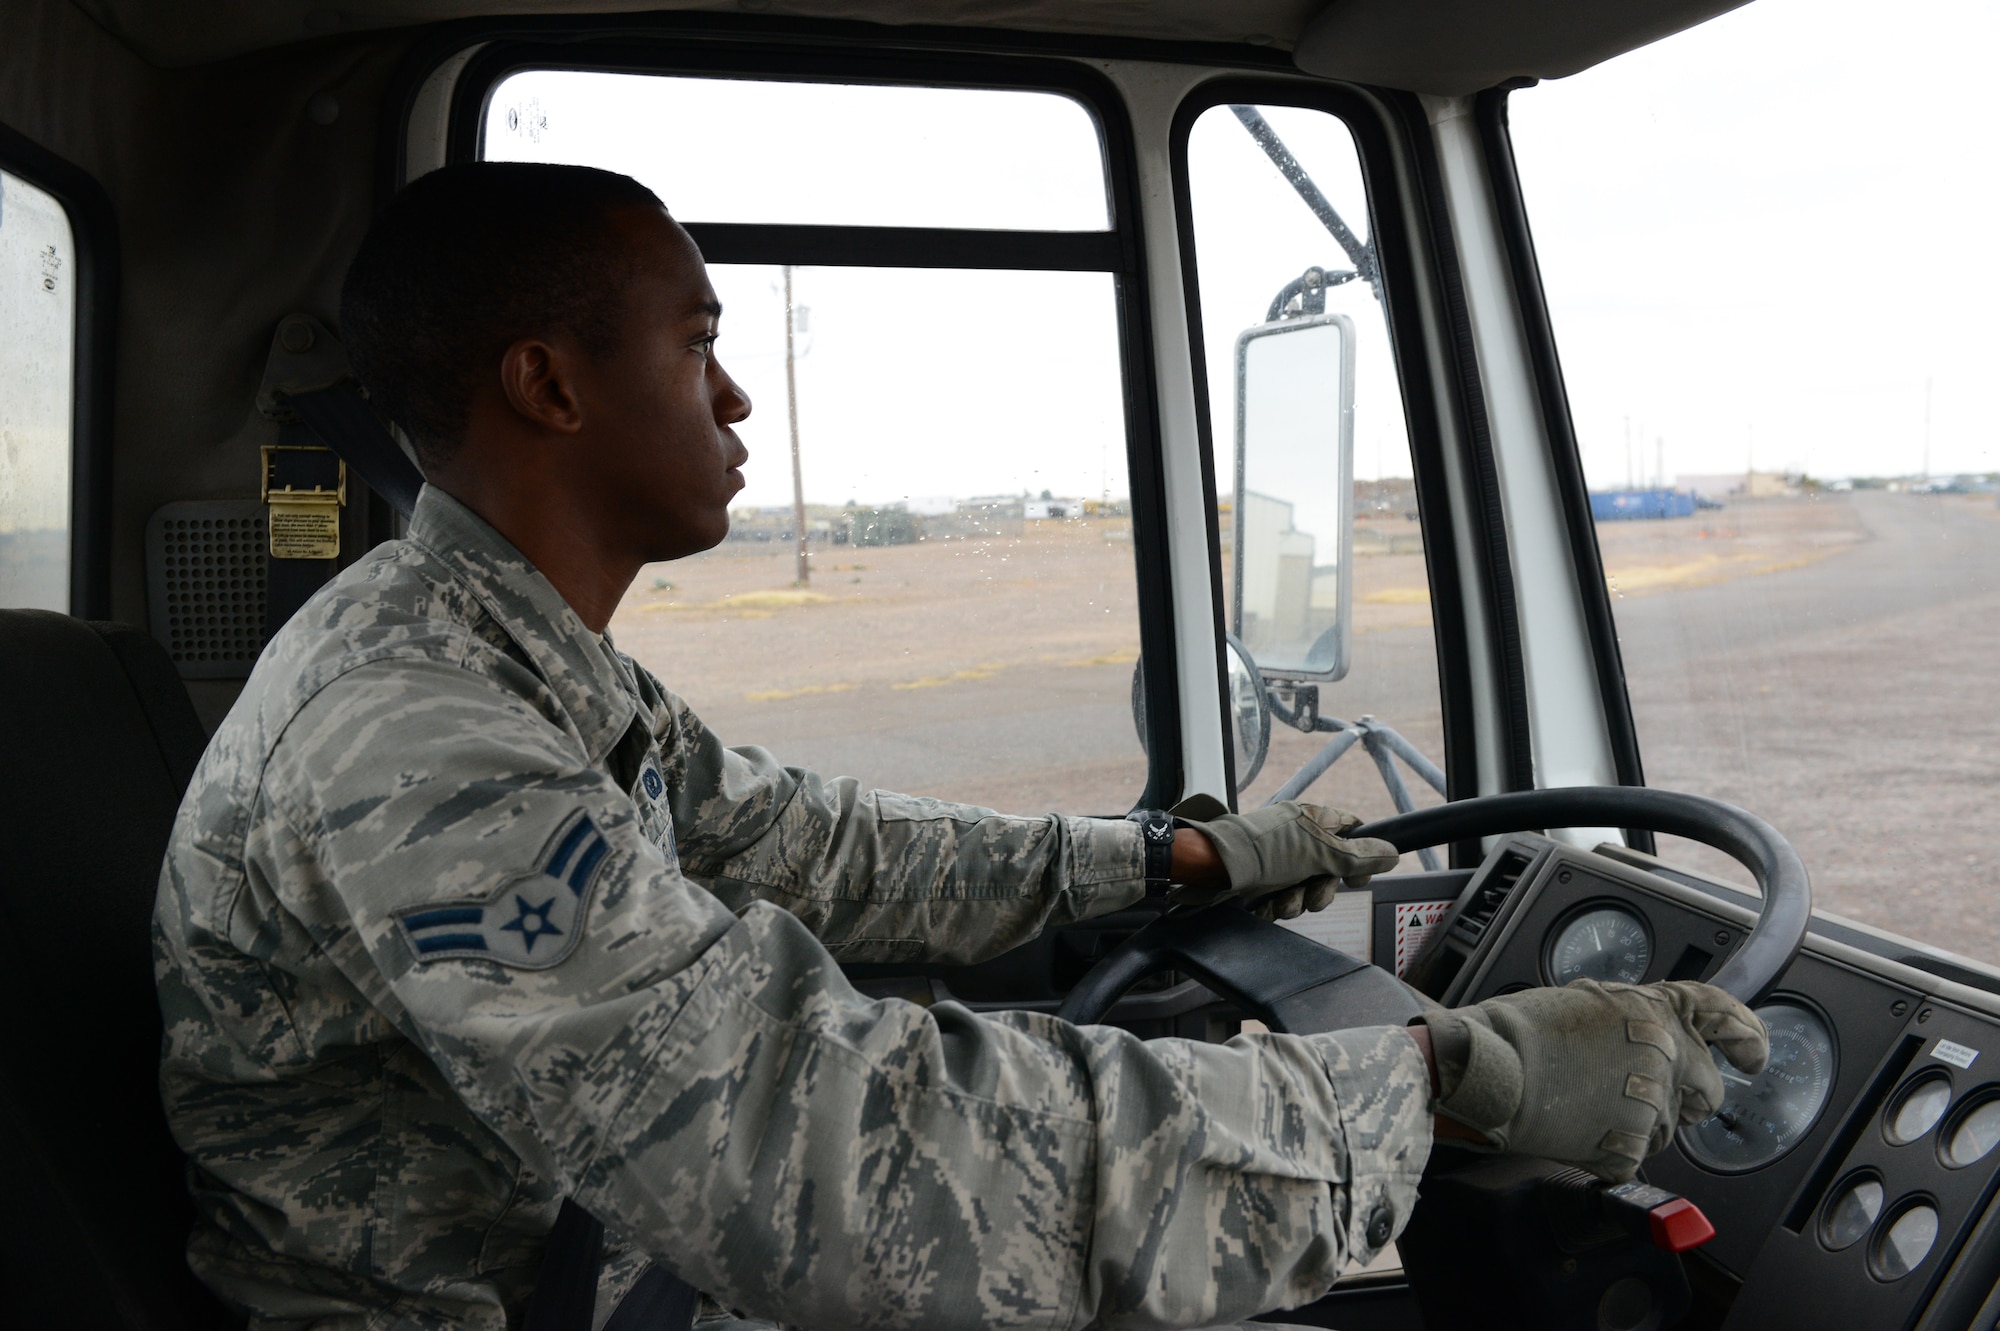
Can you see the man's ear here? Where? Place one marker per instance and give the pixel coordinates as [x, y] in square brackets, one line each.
[538, 378]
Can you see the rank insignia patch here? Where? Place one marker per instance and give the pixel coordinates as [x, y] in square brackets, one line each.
[531, 920]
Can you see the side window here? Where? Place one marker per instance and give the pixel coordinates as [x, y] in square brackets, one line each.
[1792, 463]
[1326, 589]
[37, 387]
[929, 579]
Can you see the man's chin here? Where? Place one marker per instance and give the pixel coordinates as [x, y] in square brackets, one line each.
[691, 539]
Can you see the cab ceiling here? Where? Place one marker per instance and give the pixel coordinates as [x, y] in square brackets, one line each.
[1435, 46]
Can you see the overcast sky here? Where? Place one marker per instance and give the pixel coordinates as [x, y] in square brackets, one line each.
[1765, 234]
[1760, 238]
[916, 385]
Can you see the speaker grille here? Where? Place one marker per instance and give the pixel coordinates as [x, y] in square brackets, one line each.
[205, 568]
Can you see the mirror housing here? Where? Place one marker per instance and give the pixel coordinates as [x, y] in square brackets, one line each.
[1249, 714]
[1249, 711]
[1292, 528]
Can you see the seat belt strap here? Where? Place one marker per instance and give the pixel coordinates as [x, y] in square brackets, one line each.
[307, 380]
[566, 1293]
[345, 423]
[658, 1301]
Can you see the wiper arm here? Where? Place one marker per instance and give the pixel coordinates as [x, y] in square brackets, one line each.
[1362, 256]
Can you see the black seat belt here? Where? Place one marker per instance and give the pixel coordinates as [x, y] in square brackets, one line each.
[345, 423]
[566, 1293]
[307, 382]
[325, 400]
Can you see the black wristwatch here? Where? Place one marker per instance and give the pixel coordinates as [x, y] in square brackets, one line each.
[1156, 829]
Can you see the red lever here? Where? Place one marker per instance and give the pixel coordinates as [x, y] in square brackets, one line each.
[1679, 1225]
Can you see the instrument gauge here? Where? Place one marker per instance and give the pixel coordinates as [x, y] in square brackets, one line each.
[1601, 943]
[1766, 1114]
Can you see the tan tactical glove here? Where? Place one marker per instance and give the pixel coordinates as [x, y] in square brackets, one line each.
[1596, 1075]
[1287, 858]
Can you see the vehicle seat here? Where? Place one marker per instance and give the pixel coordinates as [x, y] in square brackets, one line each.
[99, 740]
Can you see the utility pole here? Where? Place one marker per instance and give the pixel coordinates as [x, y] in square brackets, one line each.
[1928, 381]
[792, 406]
[1660, 462]
[1628, 453]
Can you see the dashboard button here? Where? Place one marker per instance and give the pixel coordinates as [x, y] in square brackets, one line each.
[1976, 1133]
[1906, 1241]
[1852, 1212]
[1679, 1225]
[1917, 1109]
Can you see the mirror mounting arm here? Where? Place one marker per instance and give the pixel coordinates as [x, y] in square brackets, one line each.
[1360, 255]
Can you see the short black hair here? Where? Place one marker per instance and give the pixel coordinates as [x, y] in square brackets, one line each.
[466, 261]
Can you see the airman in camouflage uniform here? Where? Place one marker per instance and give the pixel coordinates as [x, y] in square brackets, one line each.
[465, 913]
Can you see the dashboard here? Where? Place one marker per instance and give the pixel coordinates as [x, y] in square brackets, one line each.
[1852, 1181]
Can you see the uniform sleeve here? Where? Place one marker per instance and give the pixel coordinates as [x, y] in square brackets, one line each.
[883, 877]
[711, 1087]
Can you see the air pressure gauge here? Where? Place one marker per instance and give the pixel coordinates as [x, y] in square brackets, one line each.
[1602, 943]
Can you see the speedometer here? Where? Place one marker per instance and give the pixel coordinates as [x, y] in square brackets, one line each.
[1767, 1114]
[1602, 943]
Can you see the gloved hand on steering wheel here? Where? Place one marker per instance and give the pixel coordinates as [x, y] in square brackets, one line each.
[1286, 858]
[1595, 1075]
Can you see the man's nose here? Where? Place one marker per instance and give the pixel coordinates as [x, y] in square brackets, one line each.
[732, 404]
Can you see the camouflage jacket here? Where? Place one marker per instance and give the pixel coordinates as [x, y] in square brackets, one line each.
[465, 913]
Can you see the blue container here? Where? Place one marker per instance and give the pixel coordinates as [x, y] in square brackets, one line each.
[1626, 505]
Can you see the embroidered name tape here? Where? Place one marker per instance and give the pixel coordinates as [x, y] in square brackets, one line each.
[532, 920]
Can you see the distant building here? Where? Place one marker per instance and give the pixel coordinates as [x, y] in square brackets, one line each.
[1040, 509]
[883, 526]
[1739, 485]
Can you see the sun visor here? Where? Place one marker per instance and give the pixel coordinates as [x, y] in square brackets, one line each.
[1456, 47]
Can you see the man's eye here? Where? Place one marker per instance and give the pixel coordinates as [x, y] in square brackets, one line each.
[706, 344]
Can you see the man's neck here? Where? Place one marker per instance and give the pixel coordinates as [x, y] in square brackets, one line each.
[556, 539]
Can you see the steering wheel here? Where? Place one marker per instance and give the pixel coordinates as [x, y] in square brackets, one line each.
[1294, 984]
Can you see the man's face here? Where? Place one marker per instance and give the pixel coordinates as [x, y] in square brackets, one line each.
[662, 456]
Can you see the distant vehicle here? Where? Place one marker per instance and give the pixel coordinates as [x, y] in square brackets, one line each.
[1627, 505]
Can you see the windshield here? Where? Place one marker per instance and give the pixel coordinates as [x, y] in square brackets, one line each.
[929, 579]
[1767, 251]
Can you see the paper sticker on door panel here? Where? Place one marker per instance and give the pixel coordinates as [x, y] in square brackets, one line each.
[1346, 925]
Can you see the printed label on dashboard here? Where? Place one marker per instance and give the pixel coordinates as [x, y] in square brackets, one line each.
[1957, 1055]
[1415, 922]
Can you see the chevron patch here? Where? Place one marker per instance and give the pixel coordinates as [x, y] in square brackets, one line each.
[532, 920]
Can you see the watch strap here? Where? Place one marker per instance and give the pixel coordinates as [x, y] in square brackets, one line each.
[1156, 832]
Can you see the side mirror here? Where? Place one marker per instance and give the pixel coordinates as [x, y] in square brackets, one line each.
[1249, 712]
[1292, 526]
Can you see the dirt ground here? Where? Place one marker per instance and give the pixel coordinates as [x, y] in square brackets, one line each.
[994, 670]
[1828, 662]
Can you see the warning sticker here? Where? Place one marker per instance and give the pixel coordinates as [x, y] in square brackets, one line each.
[1345, 925]
[305, 531]
[1956, 1054]
[1415, 921]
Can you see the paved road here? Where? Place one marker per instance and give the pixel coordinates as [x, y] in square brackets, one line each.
[1852, 703]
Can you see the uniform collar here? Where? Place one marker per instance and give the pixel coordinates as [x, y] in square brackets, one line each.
[587, 683]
